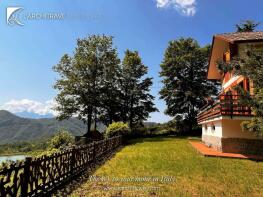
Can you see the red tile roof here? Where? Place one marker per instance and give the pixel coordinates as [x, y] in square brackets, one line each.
[241, 36]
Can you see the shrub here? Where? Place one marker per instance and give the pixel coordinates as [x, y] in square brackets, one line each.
[117, 128]
[138, 132]
[161, 130]
[61, 139]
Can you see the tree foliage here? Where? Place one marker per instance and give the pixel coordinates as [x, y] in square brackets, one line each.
[62, 138]
[84, 77]
[185, 86]
[137, 102]
[251, 66]
[95, 86]
[117, 128]
[247, 26]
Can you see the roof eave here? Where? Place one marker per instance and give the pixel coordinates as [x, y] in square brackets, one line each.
[209, 62]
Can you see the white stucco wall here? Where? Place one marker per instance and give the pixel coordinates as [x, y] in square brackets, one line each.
[226, 128]
[232, 129]
[209, 131]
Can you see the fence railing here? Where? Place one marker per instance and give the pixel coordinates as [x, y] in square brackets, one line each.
[229, 105]
[39, 176]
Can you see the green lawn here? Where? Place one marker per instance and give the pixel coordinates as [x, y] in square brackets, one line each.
[194, 175]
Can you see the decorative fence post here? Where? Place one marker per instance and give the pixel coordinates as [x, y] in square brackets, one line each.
[94, 152]
[25, 180]
[41, 175]
[73, 160]
[107, 146]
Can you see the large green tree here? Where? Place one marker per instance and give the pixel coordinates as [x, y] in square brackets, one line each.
[247, 26]
[83, 78]
[251, 66]
[185, 86]
[136, 101]
[110, 93]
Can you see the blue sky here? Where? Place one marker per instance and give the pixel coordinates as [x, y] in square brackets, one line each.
[27, 53]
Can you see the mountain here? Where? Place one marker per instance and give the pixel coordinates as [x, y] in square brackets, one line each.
[14, 128]
[25, 114]
[150, 124]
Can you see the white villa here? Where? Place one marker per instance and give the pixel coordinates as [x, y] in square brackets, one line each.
[221, 119]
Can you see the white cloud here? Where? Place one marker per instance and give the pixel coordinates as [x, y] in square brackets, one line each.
[186, 7]
[26, 105]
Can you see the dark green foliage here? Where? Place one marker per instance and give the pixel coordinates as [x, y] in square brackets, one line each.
[61, 139]
[83, 78]
[251, 66]
[156, 129]
[24, 147]
[140, 132]
[247, 26]
[225, 67]
[184, 71]
[117, 128]
[136, 102]
[94, 86]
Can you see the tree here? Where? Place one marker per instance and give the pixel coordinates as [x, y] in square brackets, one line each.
[117, 128]
[110, 92]
[247, 26]
[62, 138]
[82, 78]
[136, 100]
[185, 86]
[251, 66]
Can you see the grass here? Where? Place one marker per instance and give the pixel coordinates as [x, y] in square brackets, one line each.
[190, 173]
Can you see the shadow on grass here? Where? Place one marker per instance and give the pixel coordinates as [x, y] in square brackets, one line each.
[74, 184]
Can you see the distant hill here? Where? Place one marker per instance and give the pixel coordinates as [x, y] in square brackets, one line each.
[150, 124]
[25, 114]
[14, 128]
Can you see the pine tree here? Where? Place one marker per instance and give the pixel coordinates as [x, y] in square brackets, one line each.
[247, 26]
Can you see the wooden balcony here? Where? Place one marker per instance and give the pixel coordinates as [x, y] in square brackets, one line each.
[226, 105]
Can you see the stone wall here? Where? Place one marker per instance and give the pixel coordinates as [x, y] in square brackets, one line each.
[245, 146]
[234, 145]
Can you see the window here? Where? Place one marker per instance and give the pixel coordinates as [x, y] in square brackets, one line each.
[226, 57]
[213, 127]
[205, 127]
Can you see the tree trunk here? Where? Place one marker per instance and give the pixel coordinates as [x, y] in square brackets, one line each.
[89, 121]
[124, 115]
[110, 115]
[95, 120]
[190, 127]
[189, 121]
[131, 114]
[131, 123]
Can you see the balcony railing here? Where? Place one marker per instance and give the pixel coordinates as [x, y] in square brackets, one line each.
[228, 105]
